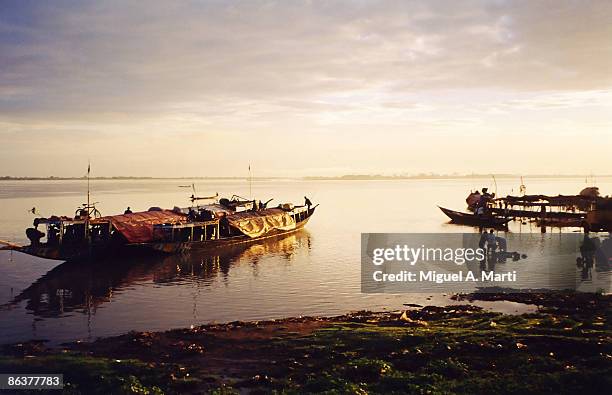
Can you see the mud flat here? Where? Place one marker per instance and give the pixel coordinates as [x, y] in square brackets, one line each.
[564, 347]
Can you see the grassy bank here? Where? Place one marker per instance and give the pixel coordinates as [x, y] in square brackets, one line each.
[454, 349]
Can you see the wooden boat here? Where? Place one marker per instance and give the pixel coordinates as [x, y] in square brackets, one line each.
[229, 222]
[470, 219]
[588, 210]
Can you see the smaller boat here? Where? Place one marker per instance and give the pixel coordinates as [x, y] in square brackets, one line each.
[460, 218]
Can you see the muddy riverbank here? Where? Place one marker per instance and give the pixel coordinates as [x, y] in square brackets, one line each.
[564, 347]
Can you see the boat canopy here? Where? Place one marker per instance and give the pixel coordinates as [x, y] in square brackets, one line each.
[258, 223]
[138, 227]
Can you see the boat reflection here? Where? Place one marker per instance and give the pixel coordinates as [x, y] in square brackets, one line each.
[594, 252]
[82, 287]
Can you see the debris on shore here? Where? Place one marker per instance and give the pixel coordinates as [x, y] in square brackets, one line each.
[452, 349]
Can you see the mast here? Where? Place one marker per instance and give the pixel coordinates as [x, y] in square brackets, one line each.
[88, 193]
[495, 182]
[250, 183]
[88, 204]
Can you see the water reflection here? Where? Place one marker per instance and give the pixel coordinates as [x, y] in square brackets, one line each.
[83, 287]
[594, 252]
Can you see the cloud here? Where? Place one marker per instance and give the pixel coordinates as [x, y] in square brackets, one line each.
[274, 67]
[100, 57]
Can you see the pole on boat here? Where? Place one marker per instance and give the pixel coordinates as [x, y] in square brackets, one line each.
[495, 183]
[88, 171]
[250, 183]
[88, 204]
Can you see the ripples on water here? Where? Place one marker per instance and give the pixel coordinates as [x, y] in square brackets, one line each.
[315, 271]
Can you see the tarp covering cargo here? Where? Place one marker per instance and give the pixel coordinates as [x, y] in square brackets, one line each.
[138, 227]
[258, 223]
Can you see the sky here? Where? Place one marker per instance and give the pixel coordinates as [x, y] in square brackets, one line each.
[297, 88]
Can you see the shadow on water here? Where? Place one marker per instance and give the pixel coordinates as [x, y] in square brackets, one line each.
[73, 287]
[595, 253]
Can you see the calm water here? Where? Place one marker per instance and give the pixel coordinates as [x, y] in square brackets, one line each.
[315, 271]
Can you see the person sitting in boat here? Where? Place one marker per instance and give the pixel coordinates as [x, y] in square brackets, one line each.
[34, 235]
[127, 211]
[205, 215]
[472, 200]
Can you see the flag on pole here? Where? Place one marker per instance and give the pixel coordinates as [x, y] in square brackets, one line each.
[88, 168]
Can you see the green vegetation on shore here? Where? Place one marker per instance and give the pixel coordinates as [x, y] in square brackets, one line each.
[453, 349]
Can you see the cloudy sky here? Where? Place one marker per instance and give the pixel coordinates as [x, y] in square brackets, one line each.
[203, 88]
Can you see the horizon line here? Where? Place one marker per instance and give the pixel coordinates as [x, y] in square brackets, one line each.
[311, 178]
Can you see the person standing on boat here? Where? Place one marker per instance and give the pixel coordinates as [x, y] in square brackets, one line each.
[307, 202]
[127, 211]
[485, 196]
[481, 206]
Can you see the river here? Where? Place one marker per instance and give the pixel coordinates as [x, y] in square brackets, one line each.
[312, 272]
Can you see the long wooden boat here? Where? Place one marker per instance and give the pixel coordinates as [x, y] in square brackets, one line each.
[227, 223]
[458, 217]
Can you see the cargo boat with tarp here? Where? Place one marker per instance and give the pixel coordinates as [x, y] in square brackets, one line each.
[89, 235]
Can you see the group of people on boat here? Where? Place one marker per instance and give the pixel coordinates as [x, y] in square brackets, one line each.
[479, 202]
[258, 205]
[204, 215]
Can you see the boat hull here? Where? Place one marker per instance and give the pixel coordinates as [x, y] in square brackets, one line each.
[470, 219]
[172, 248]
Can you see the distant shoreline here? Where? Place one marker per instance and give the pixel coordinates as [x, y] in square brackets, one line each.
[347, 177]
[450, 176]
